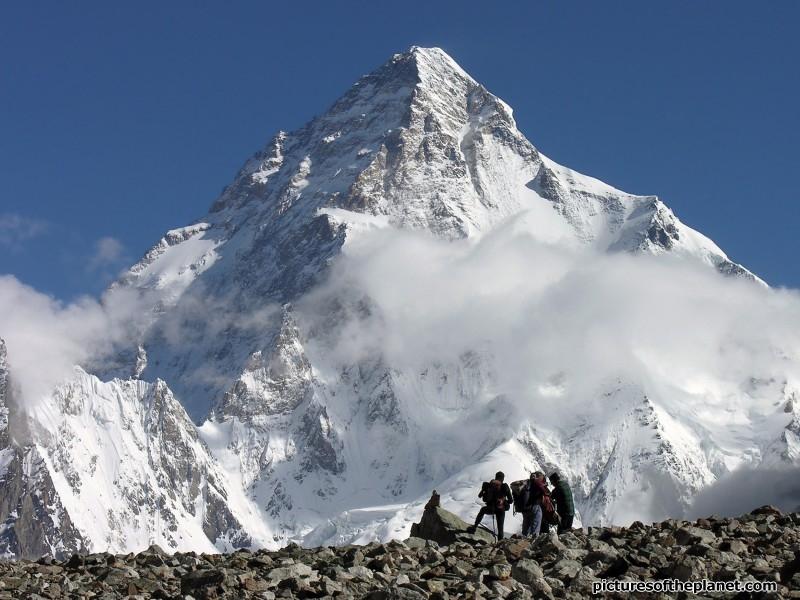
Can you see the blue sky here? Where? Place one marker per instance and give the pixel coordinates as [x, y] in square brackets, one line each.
[119, 121]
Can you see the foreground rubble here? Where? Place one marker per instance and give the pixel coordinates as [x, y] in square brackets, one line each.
[761, 546]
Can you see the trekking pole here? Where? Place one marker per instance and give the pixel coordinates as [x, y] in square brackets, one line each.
[494, 531]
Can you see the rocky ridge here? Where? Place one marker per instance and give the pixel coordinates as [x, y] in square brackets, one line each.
[761, 546]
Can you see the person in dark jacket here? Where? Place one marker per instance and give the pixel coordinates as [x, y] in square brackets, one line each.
[497, 496]
[562, 495]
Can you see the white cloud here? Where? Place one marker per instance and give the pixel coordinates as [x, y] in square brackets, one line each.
[45, 338]
[560, 322]
[108, 252]
[16, 229]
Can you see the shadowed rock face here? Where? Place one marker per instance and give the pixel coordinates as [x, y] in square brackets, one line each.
[4, 384]
[34, 522]
[32, 517]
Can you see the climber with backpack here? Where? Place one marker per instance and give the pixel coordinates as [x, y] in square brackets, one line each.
[497, 499]
[565, 505]
[550, 516]
[531, 509]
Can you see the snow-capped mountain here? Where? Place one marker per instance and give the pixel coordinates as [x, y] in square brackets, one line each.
[228, 419]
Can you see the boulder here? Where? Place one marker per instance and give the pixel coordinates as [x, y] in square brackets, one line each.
[686, 536]
[527, 571]
[767, 510]
[445, 528]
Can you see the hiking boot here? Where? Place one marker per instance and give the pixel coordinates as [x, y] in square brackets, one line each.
[472, 529]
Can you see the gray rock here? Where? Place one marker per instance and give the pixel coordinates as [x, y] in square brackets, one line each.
[526, 571]
[686, 536]
[500, 571]
[360, 572]
[298, 570]
[583, 579]
[689, 568]
[200, 579]
[396, 593]
[565, 569]
[445, 528]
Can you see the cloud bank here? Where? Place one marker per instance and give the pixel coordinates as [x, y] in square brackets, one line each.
[45, 338]
[561, 321]
[558, 320]
[566, 326]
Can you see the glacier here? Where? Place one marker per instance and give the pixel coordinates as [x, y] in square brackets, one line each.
[236, 411]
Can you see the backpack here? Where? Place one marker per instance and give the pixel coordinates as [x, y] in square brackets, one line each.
[549, 514]
[492, 492]
[521, 495]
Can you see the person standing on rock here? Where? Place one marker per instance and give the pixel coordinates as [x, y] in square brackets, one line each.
[532, 509]
[498, 499]
[562, 494]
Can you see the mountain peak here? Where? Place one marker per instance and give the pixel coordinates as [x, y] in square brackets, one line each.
[435, 60]
[419, 119]
[307, 418]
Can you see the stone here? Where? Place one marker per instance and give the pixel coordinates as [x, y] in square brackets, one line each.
[767, 510]
[516, 548]
[583, 579]
[201, 578]
[434, 586]
[526, 571]
[444, 528]
[415, 543]
[616, 569]
[298, 570]
[500, 571]
[353, 557]
[686, 536]
[514, 569]
[748, 530]
[735, 546]
[360, 572]
[688, 568]
[566, 569]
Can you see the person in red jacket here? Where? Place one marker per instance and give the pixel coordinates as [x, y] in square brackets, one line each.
[532, 512]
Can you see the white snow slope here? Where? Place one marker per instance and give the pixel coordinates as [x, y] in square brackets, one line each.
[234, 419]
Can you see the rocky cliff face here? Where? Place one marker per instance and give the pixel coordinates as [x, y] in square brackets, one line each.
[158, 484]
[232, 418]
[34, 522]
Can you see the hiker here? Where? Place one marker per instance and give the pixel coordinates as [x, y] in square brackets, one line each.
[565, 506]
[531, 506]
[497, 498]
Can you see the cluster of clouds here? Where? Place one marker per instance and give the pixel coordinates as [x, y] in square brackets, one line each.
[558, 316]
[559, 321]
[46, 338]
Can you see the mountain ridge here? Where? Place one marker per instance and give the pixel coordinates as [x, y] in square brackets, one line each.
[262, 424]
